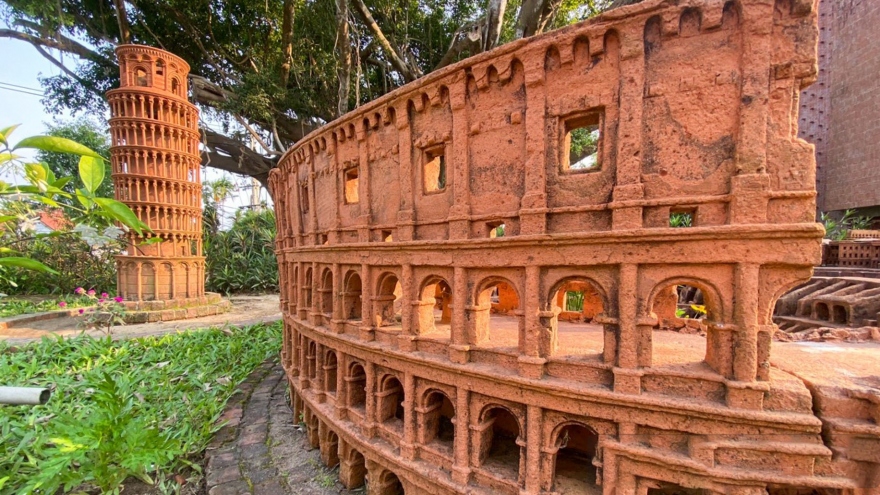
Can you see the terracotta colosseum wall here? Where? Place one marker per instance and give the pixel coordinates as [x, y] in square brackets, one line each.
[424, 240]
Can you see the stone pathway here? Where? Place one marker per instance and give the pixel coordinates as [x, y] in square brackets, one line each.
[246, 310]
[261, 451]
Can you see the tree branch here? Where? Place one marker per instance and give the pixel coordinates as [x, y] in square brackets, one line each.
[408, 73]
[122, 20]
[287, 42]
[231, 155]
[57, 42]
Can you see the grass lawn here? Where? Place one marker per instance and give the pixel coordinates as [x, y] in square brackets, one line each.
[142, 408]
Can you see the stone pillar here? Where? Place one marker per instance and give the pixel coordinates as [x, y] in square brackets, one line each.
[315, 315]
[337, 322]
[367, 330]
[407, 339]
[458, 349]
[533, 206]
[320, 387]
[459, 214]
[536, 347]
[626, 376]
[407, 445]
[406, 214]
[461, 471]
[534, 420]
[364, 192]
[628, 187]
[370, 409]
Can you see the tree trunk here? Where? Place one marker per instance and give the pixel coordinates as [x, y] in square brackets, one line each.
[287, 42]
[122, 19]
[494, 21]
[343, 57]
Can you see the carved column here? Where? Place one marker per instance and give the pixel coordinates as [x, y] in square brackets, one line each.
[626, 375]
[407, 446]
[406, 214]
[537, 340]
[459, 214]
[461, 471]
[458, 349]
[533, 206]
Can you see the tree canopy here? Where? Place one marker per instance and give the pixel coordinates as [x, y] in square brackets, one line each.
[271, 71]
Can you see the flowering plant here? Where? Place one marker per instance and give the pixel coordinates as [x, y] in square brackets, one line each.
[105, 313]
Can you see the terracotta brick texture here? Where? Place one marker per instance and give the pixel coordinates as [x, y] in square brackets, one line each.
[422, 332]
[156, 172]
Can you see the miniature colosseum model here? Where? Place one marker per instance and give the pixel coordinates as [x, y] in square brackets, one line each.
[472, 268]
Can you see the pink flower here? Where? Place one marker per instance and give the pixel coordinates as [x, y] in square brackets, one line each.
[91, 292]
[81, 311]
[62, 304]
[100, 300]
[118, 299]
[104, 295]
[79, 291]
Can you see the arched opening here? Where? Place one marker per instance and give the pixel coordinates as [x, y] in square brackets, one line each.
[327, 294]
[438, 420]
[683, 310]
[330, 365]
[356, 382]
[160, 67]
[499, 450]
[822, 312]
[307, 288]
[175, 86]
[330, 450]
[497, 321]
[435, 307]
[390, 484]
[140, 77]
[352, 471]
[310, 358]
[390, 406]
[351, 300]
[839, 314]
[388, 301]
[578, 304]
[574, 471]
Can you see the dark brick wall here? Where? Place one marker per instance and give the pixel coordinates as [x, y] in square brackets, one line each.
[840, 114]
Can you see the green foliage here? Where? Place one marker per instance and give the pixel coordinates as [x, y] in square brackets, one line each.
[681, 219]
[574, 301]
[838, 229]
[14, 307]
[243, 258]
[87, 133]
[142, 407]
[21, 203]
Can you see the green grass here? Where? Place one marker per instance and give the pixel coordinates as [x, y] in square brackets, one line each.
[15, 307]
[142, 407]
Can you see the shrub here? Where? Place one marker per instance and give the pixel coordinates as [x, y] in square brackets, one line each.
[243, 258]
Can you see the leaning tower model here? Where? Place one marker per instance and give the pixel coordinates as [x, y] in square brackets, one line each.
[155, 160]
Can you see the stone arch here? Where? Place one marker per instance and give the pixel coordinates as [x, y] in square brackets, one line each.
[175, 86]
[653, 34]
[390, 399]
[580, 49]
[499, 441]
[712, 296]
[496, 294]
[690, 21]
[351, 298]
[389, 484]
[311, 356]
[326, 292]
[437, 421]
[307, 288]
[331, 365]
[356, 382]
[141, 76]
[578, 304]
[730, 15]
[574, 444]
[330, 448]
[435, 295]
[552, 59]
[148, 281]
[387, 307]
[352, 469]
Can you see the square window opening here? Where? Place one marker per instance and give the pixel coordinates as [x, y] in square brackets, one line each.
[351, 186]
[582, 144]
[496, 229]
[323, 239]
[434, 170]
[682, 217]
[387, 236]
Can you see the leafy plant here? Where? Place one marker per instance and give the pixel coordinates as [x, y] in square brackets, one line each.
[838, 229]
[43, 188]
[105, 312]
[681, 219]
[243, 258]
[14, 307]
[142, 407]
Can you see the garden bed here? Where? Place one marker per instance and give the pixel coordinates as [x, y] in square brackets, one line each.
[121, 410]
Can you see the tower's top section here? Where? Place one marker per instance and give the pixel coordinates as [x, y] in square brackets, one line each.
[148, 67]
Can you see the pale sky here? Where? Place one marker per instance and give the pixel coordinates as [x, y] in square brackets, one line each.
[20, 65]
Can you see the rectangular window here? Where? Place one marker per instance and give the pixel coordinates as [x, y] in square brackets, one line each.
[434, 170]
[304, 198]
[682, 217]
[496, 229]
[351, 186]
[582, 144]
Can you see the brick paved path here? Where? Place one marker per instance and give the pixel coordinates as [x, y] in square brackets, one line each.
[261, 451]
